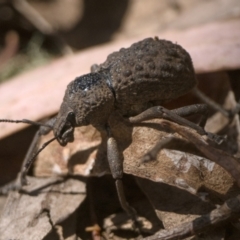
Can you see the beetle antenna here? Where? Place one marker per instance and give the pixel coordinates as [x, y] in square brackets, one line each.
[26, 121]
[31, 160]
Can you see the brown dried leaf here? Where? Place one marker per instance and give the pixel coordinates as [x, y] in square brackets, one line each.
[48, 202]
[76, 158]
[189, 171]
[175, 207]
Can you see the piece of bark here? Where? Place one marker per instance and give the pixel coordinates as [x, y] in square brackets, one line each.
[43, 205]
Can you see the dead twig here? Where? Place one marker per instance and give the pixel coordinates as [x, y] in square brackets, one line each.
[40, 23]
[229, 209]
[10, 48]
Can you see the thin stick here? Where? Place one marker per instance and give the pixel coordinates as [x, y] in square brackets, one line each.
[40, 23]
[229, 209]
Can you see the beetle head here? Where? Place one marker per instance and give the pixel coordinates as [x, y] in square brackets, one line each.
[64, 126]
[88, 100]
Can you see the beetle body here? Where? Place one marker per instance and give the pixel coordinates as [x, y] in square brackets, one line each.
[148, 73]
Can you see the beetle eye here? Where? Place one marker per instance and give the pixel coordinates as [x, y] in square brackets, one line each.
[71, 118]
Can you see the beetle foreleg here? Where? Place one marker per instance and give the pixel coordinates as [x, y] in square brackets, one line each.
[115, 161]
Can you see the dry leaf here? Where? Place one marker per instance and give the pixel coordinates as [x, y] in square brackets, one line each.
[45, 204]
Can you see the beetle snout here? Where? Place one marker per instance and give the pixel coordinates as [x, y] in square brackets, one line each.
[66, 137]
[65, 134]
[64, 125]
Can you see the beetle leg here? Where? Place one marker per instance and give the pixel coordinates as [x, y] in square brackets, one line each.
[177, 116]
[116, 166]
[21, 180]
[227, 113]
[152, 154]
[192, 110]
[161, 112]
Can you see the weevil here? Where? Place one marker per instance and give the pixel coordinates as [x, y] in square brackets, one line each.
[132, 83]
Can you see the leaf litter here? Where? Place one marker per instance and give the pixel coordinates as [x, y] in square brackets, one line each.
[185, 191]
